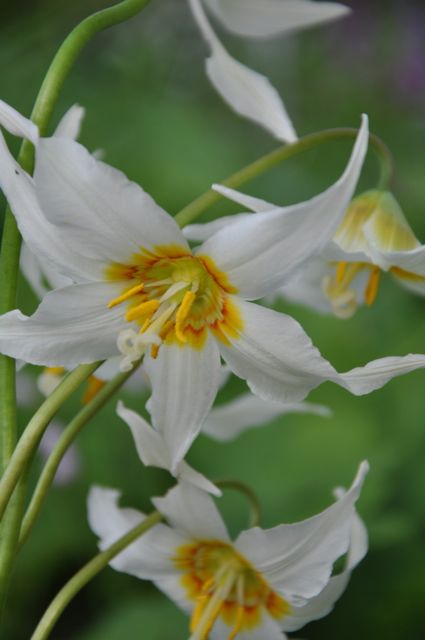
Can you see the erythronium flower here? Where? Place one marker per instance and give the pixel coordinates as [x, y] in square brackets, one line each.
[266, 582]
[140, 289]
[246, 91]
[374, 237]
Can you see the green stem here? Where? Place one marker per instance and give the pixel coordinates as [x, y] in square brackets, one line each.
[61, 447]
[254, 503]
[36, 427]
[11, 239]
[89, 571]
[267, 162]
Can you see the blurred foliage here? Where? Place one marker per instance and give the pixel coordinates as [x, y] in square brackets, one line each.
[151, 110]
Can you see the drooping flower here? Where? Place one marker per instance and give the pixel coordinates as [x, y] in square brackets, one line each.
[138, 288]
[264, 583]
[249, 93]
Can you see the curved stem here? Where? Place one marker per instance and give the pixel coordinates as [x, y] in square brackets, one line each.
[91, 569]
[68, 436]
[270, 160]
[254, 503]
[36, 427]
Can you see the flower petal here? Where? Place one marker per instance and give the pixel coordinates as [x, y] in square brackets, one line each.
[297, 559]
[192, 512]
[150, 555]
[203, 231]
[260, 252]
[267, 629]
[71, 326]
[89, 198]
[266, 18]
[377, 373]
[227, 421]
[39, 274]
[17, 124]
[184, 384]
[70, 124]
[153, 451]
[43, 238]
[275, 356]
[248, 93]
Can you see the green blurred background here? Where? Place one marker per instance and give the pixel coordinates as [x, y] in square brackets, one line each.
[151, 110]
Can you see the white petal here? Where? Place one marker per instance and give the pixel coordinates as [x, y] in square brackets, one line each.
[171, 585]
[266, 18]
[227, 421]
[186, 473]
[71, 326]
[89, 198]
[150, 555]
[70, 124]
[203, 231]
[149, 444]
[297, 559]
[192, 512]
[275, 356]
[41, 276]
[252, 204]
[268, 629]
[43, 238]
[17, 124]
[184, 384]
[320, 605]
[260, 252]
[377, 373]
[248, 93]
[412, 261]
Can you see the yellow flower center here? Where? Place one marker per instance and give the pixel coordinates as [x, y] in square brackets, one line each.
[174, 297]
[223, 584]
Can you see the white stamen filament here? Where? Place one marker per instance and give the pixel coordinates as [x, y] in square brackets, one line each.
[214, 606]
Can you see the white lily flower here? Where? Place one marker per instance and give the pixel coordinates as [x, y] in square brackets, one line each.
[153, 450]
[264, 583]
[373, 238]
[139, 289]
[249, 93]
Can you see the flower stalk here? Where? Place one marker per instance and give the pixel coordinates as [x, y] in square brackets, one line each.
[87, 573]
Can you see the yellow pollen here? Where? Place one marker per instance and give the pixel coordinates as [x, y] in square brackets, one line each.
[55, 371]
[371, 290]
[94, 385]
[126, 295]
[144, 309]
[340, 272]
[182, 313]
[154, 351]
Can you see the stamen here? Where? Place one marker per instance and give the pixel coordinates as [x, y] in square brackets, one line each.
[94, 385]
[212, 610]
[340, 272]
[183, 312]
[126, 295]
[156, 323]
[240, 610]
[175, 288]
[155, 351]
[372, 286]
[54, 371]
[143, 309]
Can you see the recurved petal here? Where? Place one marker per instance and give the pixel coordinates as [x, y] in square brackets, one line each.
[150, 555]
[297, 559]
[71, 326]
[184, 384]
[87, 197]
[203, 231]
[267, 18]
[275, 356]
[259, 253]
[377, 373]
[192, 512]
[227, 421]
[41, 277]
[17, 124]
[70, 124]
[248, 93]
[43, 238]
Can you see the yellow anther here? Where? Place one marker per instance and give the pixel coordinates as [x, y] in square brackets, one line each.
[94, 385]
[55, 371]
[183, 312]
[238, 623]
[340, 272]
[144, 309]
[201, 602]
[372, 286]
[154, 351]
[126, 295]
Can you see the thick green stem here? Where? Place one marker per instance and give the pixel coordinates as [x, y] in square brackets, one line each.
[36, 427]
[267, 162]
[11, 239]
[87, 573]
[250, 495]
[61, 447]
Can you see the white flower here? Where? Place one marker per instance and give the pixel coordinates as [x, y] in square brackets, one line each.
[139, 288]
[246, 91]
[266, 582]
